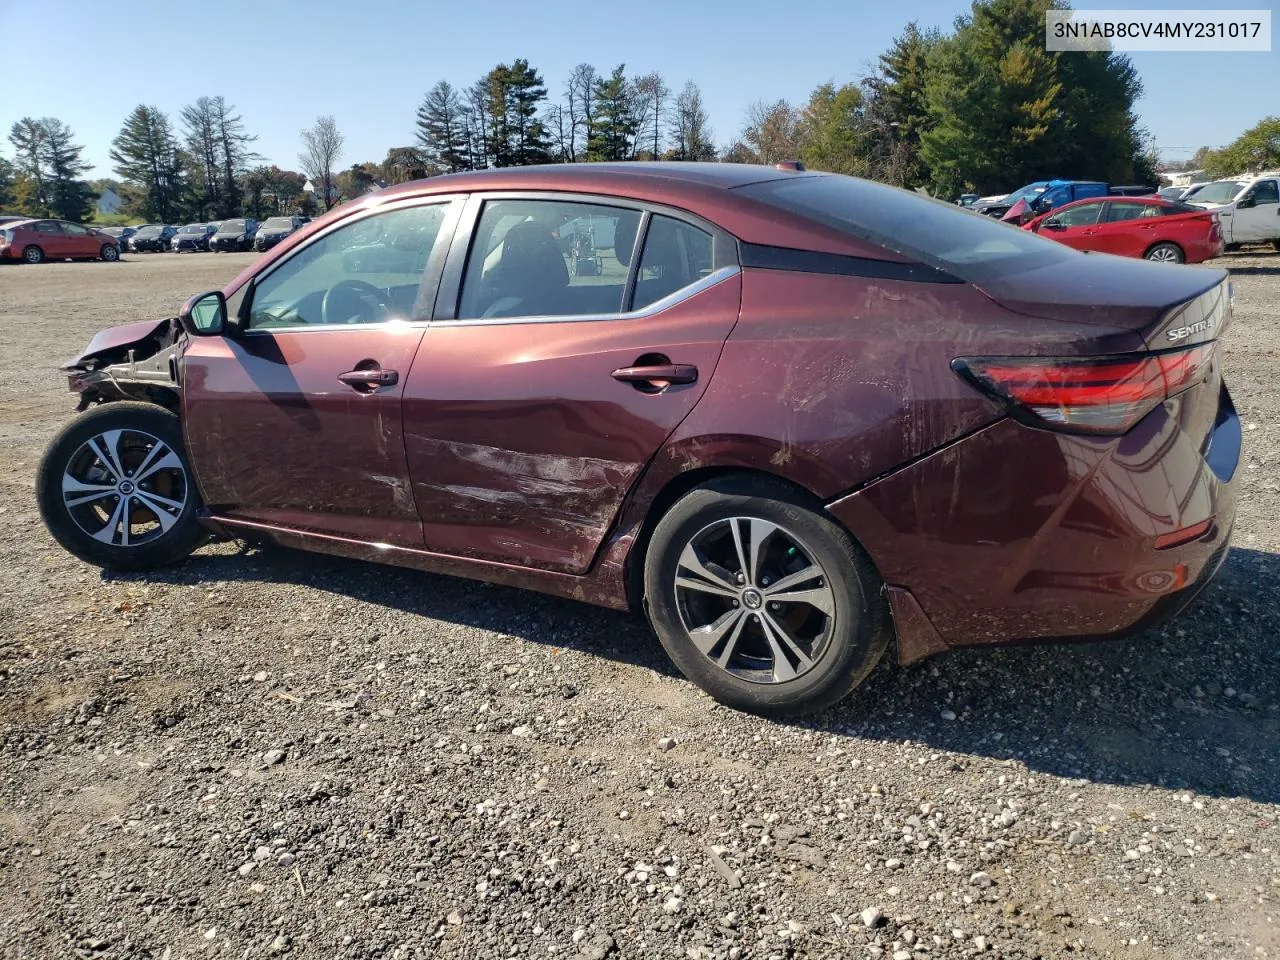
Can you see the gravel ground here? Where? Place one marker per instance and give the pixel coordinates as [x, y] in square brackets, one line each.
[265, 753]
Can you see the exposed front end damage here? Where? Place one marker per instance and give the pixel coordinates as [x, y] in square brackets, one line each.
[137, 361]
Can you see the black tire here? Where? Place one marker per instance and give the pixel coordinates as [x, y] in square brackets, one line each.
[64, 463]
[1165, 252]
[1275, 245]
[32, 254]
[110, 252]
[850, 642]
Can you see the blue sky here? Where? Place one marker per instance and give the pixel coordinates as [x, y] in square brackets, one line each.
[282, 64]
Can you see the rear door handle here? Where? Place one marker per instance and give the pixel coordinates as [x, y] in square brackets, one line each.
[670, 372]
[371, 379]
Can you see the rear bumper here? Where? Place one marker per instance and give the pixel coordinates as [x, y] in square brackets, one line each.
[1015, 534]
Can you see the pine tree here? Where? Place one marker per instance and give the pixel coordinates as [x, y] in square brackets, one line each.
[614, 126]
[442, 130]
[831, 130]
[27, 137]
[896, 111]
[70, 198]
[205, 167]
[528, 94]
[995, 102]
[515, 135]
[48, 170]
[146, 153]
[235, 153]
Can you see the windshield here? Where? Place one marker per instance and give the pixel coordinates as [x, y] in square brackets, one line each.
[1223, 191]
[148, 232]
[962, 242]
[1026, 193]
[193, 228]
[278, 223]
[231, 226]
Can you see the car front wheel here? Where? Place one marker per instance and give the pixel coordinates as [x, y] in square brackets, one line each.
[115, 489]
[762, 600]
[110, 252]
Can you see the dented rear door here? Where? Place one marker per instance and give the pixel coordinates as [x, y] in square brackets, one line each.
[525, 433]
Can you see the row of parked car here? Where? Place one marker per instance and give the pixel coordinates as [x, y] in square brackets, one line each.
[1174, 225]
[239, 233]
[36, 240]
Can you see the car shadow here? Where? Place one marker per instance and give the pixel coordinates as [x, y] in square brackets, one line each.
[1193, 705]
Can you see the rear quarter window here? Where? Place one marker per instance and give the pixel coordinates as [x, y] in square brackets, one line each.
[968, 245]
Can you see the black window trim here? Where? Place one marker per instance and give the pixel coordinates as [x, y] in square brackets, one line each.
[725, 253]
[241, 303]
[761, 256]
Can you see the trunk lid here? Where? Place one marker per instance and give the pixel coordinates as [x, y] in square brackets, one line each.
[1148, 299]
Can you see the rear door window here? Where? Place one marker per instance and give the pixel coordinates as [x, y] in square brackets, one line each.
[1118, 212]
[548, 258]
[676, 254]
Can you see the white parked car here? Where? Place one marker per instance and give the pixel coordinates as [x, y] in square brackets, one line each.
[1249, 208]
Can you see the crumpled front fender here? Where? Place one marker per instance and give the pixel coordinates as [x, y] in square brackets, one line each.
[114, 340]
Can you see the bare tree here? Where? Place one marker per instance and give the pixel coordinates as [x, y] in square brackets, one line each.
[580, 96]
[556, 121]
[773, 131]
[689, 126]
[322, 145]
[651, 94]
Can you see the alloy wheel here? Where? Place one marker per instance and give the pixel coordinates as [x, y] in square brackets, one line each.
[754, 600]
[125, 487]
[1163, 255]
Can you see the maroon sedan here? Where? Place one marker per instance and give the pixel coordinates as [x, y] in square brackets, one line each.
[35, 241]
[1149, 227]
[792, 417]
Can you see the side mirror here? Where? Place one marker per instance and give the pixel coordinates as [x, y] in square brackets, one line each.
[1053, 223]
[205, 314]
[1244, 203]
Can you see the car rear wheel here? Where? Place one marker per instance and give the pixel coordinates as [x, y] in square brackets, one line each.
[115, 489]
[1166, 253]
[110, 252]
[761, 600]
[33, 254]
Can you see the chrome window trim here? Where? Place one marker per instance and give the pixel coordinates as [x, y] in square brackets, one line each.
[329, 327]
[712, 279]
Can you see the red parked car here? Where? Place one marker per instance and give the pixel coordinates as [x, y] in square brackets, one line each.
[792, 417]
[1149, 227]
[35, 241]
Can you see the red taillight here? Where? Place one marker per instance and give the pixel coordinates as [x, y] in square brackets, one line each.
[1094, 396]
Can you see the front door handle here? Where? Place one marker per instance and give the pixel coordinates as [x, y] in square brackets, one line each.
[668, 372]
[368, 380]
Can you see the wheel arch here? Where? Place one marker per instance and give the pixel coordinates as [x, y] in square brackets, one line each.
[664, 495]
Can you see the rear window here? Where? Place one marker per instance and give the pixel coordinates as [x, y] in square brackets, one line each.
[968, 245]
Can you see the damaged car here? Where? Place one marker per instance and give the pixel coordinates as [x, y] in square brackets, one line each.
[794, 419]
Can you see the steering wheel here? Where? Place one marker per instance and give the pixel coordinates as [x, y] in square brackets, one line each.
[347, 300]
